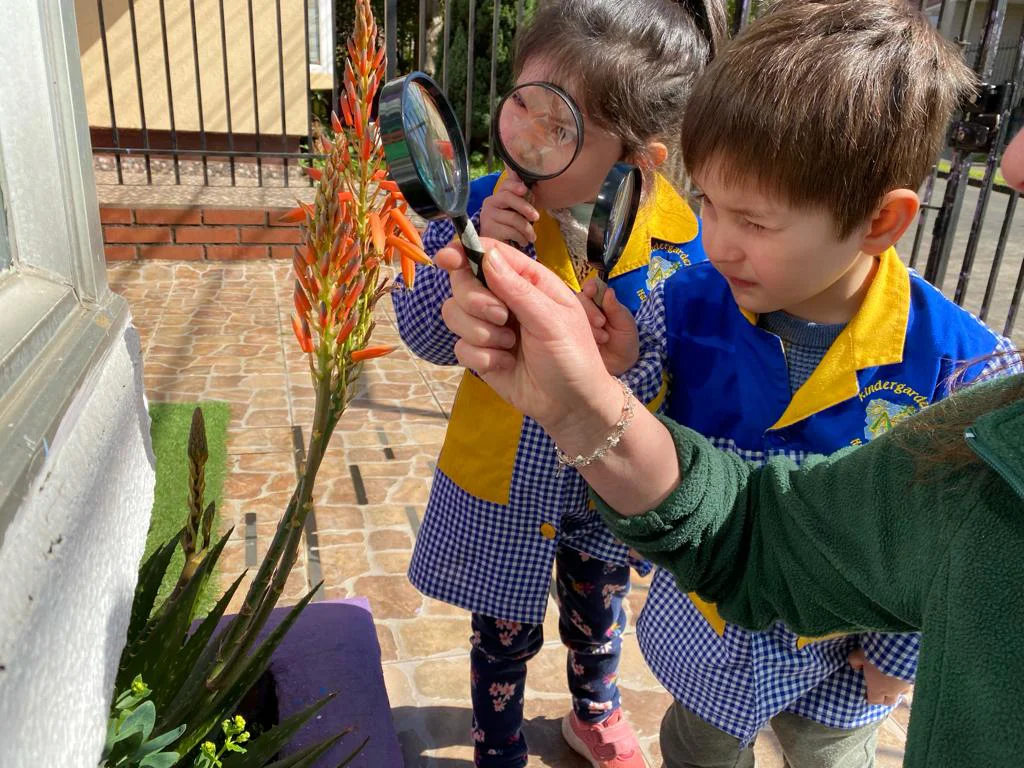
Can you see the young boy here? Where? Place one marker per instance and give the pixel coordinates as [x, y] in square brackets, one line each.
[803, 333]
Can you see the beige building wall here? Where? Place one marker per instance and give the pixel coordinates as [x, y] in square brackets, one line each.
[211, 65]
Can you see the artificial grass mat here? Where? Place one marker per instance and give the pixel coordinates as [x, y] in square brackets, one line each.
[170, 427]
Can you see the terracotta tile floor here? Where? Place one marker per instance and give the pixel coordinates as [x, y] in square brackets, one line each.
[221, 331]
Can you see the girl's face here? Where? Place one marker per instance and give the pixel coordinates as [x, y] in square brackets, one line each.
[581, 181]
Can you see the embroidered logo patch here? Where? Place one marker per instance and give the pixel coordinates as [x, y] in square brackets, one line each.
[883, 415]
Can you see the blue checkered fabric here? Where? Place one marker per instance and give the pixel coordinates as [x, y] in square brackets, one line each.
[739, 681]
[481, 556]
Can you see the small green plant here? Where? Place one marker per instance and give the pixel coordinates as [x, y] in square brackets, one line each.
[128, 733]
[235, 736]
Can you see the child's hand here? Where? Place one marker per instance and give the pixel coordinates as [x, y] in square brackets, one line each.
[882, 689]
[507, 214]
[614, 329]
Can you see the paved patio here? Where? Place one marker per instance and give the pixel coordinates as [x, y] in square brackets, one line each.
[222, 331]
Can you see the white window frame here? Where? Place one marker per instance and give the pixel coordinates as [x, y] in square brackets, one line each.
[57, 315]
[325, 38]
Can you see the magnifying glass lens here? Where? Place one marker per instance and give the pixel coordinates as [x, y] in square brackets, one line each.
[539, 130]
[621, 216]
[431, 147]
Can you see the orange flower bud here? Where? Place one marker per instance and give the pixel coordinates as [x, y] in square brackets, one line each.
[353, 293]
[408, 272]
[407, 250]
[294, 216]
[376, 231]
[302, 305]
[346, 330]
[302, 333]
[335, 122]
[406, 228]
[370, 353]
[314, 173]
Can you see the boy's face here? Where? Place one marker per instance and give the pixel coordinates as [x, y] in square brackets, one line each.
[777, 257]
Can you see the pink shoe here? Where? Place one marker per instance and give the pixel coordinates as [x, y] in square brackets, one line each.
[608, 744]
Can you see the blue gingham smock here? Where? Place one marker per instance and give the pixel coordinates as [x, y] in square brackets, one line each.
[490, 558]
[734, 679]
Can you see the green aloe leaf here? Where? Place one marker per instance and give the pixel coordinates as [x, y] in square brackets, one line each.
[249, 672]
[265, 746]
[163, 637]
[150, 576]
[306, 757]
[180, 678]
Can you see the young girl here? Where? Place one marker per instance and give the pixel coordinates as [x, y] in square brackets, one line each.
[501, 513]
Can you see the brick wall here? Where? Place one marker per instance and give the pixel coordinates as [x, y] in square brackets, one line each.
[195, 234]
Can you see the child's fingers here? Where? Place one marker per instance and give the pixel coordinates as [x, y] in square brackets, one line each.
[475, 331]
[511, 221]
[619, 317]
[451, 257]
[508, 199]
[594, 313]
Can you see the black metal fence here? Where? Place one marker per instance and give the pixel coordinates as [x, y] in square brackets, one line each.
[284, 151]
[968, 175]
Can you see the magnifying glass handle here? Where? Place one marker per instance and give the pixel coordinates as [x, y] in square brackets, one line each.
[602, 286]
[471, 245]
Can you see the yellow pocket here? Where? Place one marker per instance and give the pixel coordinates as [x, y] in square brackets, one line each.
[480, 447]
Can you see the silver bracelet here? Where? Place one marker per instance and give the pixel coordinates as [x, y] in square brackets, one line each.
[628, 411]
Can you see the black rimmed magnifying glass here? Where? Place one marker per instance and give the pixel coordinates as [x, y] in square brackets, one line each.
[538, 131]
[611, 222]
[427, 156]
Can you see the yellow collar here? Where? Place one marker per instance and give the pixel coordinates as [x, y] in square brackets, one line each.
[665, 216]
[875, 336]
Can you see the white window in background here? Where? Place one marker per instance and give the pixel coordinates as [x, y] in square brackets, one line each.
[321, 37]
[57, 315]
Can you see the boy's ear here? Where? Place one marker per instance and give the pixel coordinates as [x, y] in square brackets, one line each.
[890, 220]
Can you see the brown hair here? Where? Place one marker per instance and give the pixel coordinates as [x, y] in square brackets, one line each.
[632, 62]
[828, 103]
[936, 437]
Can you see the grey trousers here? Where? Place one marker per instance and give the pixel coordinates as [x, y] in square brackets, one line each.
[687, 741]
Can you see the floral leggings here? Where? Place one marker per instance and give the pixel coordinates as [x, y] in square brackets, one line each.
[591, 620]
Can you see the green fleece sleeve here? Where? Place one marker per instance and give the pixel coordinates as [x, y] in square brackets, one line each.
[816, 547]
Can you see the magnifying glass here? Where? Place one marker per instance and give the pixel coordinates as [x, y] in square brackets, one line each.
[427, 157]
[611, 222]
[538, 131]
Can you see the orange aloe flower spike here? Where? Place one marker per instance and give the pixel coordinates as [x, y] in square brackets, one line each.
[370, 353]
[314, 173]
[335, 122]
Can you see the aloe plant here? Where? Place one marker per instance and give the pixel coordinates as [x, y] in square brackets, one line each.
[356, 222]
